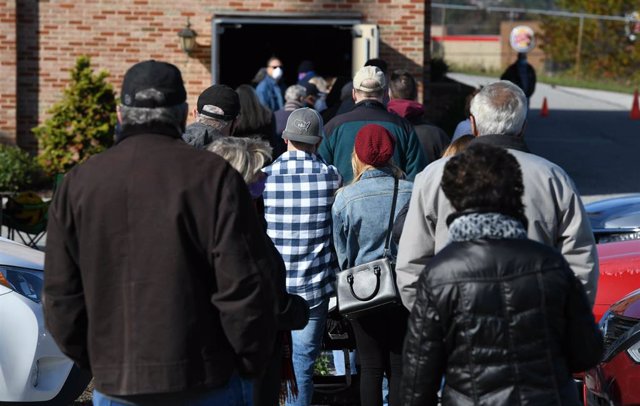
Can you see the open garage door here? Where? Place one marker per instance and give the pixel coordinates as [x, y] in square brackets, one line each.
[335, 43]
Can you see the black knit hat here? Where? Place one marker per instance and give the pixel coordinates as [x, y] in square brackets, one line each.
[305, 66]
[312, 90]
[220, 102]
[152, 84]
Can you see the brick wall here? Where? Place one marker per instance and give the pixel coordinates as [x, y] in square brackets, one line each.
[8, 63]
[118, 33]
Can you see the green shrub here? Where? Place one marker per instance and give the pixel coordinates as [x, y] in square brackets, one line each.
[81, 124]
[17, 168]
[321, 367]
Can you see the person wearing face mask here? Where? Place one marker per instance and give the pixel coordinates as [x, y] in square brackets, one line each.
[269, 92]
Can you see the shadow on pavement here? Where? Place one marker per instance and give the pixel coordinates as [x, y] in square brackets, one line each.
[598, 149]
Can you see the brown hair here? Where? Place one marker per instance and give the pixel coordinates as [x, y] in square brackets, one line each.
[484, 178]
[403, 86]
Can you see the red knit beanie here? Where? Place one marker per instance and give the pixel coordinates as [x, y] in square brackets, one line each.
[374, 145]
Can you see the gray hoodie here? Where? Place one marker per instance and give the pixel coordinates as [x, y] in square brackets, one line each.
[200, 135]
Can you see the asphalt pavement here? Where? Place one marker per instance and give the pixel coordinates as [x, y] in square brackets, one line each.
[589, 133]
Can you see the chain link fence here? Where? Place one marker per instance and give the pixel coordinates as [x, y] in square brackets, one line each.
[578, 44]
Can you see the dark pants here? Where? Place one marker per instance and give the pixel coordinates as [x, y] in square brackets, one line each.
[266, 389]
[379, 339]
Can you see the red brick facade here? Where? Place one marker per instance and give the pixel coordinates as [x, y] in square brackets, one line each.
[8, 67]
[40, 41]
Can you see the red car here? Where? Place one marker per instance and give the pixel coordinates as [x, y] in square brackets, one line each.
[615, 380]
[619, 273]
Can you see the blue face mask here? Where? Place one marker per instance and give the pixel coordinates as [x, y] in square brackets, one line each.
[257, 187]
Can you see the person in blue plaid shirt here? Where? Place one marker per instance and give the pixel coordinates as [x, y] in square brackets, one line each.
[298, 196]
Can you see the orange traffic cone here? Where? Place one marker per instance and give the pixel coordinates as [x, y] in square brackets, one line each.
[545, 109]
[635, 109]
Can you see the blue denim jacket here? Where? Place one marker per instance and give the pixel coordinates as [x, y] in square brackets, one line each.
[270, 94]
[361, 217]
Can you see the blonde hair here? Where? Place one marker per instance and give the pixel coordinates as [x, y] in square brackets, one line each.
[458, 145]
[359, 168]
[321, 84]
[246, 155]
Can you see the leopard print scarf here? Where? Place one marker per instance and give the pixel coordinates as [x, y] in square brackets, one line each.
[493, 226]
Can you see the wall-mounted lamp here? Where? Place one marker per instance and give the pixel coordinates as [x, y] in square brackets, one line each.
[187, 38]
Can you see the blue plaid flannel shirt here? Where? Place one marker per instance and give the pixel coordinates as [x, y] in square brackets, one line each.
[298, 195]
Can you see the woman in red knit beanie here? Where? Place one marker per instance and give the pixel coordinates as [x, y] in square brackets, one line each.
[361, 214]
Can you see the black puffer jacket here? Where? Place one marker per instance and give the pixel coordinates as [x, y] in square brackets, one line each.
[505, 321]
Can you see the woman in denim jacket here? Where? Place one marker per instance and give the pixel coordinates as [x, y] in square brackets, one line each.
[360, 220]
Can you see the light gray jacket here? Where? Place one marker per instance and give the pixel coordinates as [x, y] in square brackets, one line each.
[552, 205]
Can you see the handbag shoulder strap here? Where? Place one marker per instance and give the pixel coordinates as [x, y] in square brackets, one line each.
[387, 238]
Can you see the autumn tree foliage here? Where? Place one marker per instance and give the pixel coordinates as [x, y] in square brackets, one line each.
[606, 52]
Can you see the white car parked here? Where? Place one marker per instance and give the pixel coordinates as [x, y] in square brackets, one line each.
[33, 371]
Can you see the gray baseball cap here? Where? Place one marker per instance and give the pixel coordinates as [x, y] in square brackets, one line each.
[304, 125]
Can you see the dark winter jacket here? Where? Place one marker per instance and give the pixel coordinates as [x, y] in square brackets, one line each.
[157, 273]
[433, 139]
[282, 115]
[504, 321]
[337, 147]
[513, 74]
[200, 135]
[293, 314]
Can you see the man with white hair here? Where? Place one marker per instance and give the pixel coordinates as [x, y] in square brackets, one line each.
[552, 204]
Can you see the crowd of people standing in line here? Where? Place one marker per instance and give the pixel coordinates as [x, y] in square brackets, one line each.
[193, 265]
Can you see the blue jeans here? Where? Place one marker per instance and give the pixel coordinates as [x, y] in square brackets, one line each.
[306, 347]
[237, 392]
[339, 364]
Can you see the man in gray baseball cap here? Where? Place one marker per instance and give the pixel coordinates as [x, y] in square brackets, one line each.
[304, 126]
[298, 196]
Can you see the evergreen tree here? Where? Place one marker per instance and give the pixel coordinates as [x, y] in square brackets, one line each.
[81, 124]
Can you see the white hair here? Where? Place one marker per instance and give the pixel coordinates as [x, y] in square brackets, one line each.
[295, 93]
[499, 108]
[245, 155]
[215, 123]
[173, 115]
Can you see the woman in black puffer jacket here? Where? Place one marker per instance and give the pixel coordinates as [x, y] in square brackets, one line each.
[501, 317]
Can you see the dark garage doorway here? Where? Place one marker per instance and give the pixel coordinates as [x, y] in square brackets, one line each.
[244, 47]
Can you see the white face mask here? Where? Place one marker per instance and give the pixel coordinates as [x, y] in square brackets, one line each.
[276, 73]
